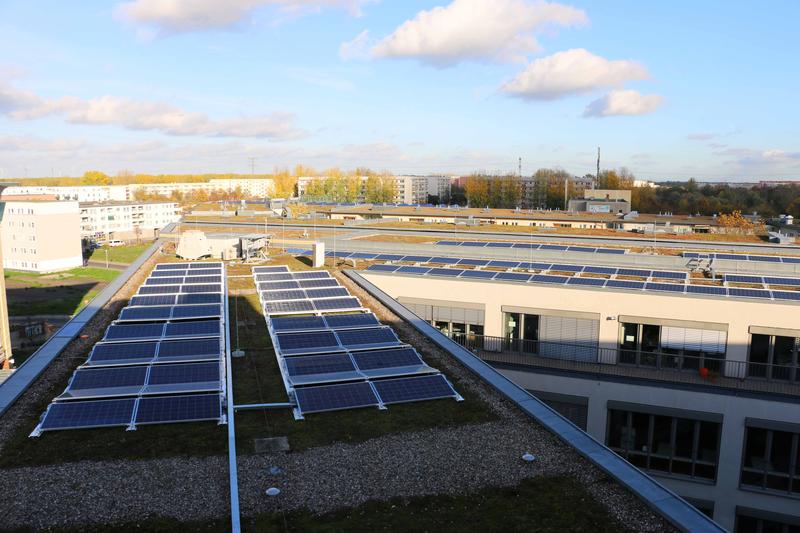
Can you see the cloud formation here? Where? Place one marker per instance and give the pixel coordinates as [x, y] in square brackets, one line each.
[178, 16]
[477, 30]
[749, 157]
[571, 72]
[145, 115]
[623, 102]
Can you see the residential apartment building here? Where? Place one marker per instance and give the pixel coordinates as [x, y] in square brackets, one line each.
[41, 236]
[126, 220]
[80, 193]
[411, 190]
[534, 190]
[441, 187]
[700, 391]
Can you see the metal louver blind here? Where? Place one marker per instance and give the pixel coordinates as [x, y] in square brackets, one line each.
[698, 340]
[568, 338]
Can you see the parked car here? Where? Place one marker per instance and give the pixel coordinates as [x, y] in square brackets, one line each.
[115, 242]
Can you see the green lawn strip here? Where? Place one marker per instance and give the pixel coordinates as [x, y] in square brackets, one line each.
[118, 254]
[551, 504]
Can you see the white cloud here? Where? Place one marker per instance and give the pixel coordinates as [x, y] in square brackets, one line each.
[176, 16]
[754, 158]
[702, 136]
[357, 48]
[626, 102]
[476, 30]
[36, 144]
[571, 72]
[144, 115]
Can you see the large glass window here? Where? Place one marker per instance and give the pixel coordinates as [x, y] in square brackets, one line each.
[671, 347]
[774, 357]
[745, 523]
[662, 443]
[771, 460]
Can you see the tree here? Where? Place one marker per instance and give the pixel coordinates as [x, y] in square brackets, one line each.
[476, 190]
[95, 177]
[735, 223]
[285, 184]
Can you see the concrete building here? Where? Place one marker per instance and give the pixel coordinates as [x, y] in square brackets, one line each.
[602, 201]
[533, 190]
[250, 187]
[699, 391]
[126, 220]
[41, 236]
[412, 190]
[80, 193]
[440, 187]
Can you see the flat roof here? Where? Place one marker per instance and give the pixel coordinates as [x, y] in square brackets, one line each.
[114, 203]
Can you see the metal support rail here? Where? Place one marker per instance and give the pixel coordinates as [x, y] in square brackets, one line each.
[257, 406]
[233, 478]
[663, 501]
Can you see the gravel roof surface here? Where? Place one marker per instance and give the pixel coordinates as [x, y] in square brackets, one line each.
[439, 460]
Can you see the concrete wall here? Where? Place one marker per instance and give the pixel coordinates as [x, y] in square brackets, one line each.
[41, 236]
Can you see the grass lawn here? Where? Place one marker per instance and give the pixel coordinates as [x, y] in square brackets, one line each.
[547, 504]
[119, 254]
[61, 293]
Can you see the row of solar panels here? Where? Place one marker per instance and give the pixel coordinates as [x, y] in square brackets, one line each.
[675, 288]
[153, 355]
[533, 246]
[743, 257]
[762, 280]
[523, 265]
[340, 361]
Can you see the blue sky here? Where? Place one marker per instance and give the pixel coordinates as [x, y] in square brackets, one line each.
[670, 90]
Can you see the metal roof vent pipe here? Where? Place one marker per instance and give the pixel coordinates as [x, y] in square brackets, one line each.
[528, 457]
[273, 491]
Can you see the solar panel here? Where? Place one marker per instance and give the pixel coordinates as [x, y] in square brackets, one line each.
[748, 293]
[311, 275]
[108, 378]
[617, 251]
[502, 245]
[600, 270]
[764, 258]
[732, 257]
[525, 246]
[332, 292]
[335, 397]
[203, 279]
[786, 295]
[449, 243]
[130, 314]
[448, 272]
[200, 328]
[691, 254]
[389, 257]
[205, 265]
[200, 288]
[134, 331]
[793, 260]
[203, 272]
[377, 359]
[566, 268]
[163, 281]
[581, 249]
[299, 323]
[412, 270]
[127, 351]
[362, 255]
[184, 373]
[164, 299]
[195, 407]
[477, 274]
[167, 273]
[553, 247]
[203, 298]
[275, 296]
[512, 276]
[278, 285]
[316, 283]
[633, 272]
[666, 274]
[356, 338]
[160, 289]
[309, 342]
[417, 258]
[290, 306]
[592, 282]
[473, 244]
[665, 287]
[196, 311]
[444, 260]
[334, 304]
[782, 281]
[539, 266]
[706, 289]
[623, 284]
[382, 268]
[274, 277]
[503, 264]
[270, 269]
[352, 320]
[414, 389]
[171, 266]
[736, 278]
[319, 364]
[189, 350]
[544, 278]
[87, 414]
[474, 262]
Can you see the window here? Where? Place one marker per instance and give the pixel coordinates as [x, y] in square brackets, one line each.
[771, 460]
[758, 521]
[664, 443]
[773, 357]
[671, 347]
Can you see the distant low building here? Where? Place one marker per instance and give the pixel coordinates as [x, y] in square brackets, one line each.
[126, 220]
[602, 201]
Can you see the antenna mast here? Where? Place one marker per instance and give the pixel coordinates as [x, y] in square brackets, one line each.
[597, 176]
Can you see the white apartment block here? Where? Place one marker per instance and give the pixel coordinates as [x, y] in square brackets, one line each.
[41, 236]
[250, 187]
[407, 189]
[79, 193]
[126, 220]
[440, 186]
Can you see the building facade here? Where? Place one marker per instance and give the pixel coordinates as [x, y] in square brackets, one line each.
[5, 333]
[699, 391]
[79, 193]
[126, 220]
[41, 236]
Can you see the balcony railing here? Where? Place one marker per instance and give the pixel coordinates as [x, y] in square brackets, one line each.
[711, 370]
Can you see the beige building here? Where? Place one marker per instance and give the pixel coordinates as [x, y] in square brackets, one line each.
[41, 236]
[126, 220]
[5, 334]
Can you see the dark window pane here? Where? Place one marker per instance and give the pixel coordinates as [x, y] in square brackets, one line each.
[705, 471]
[616, 428]
[531, 330]
[781, 451]
[759, 355]
[662, 432]
[707, 445]
[754, 454]
[641, 426]
[684, 438]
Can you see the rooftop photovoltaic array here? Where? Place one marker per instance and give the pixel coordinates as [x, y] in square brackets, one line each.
[744, 257]
[161, 361]
[532, 246]
[333, 353]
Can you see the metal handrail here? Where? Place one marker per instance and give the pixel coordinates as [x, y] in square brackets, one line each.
[706, 369]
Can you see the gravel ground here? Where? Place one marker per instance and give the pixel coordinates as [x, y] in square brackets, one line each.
[433, 461]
